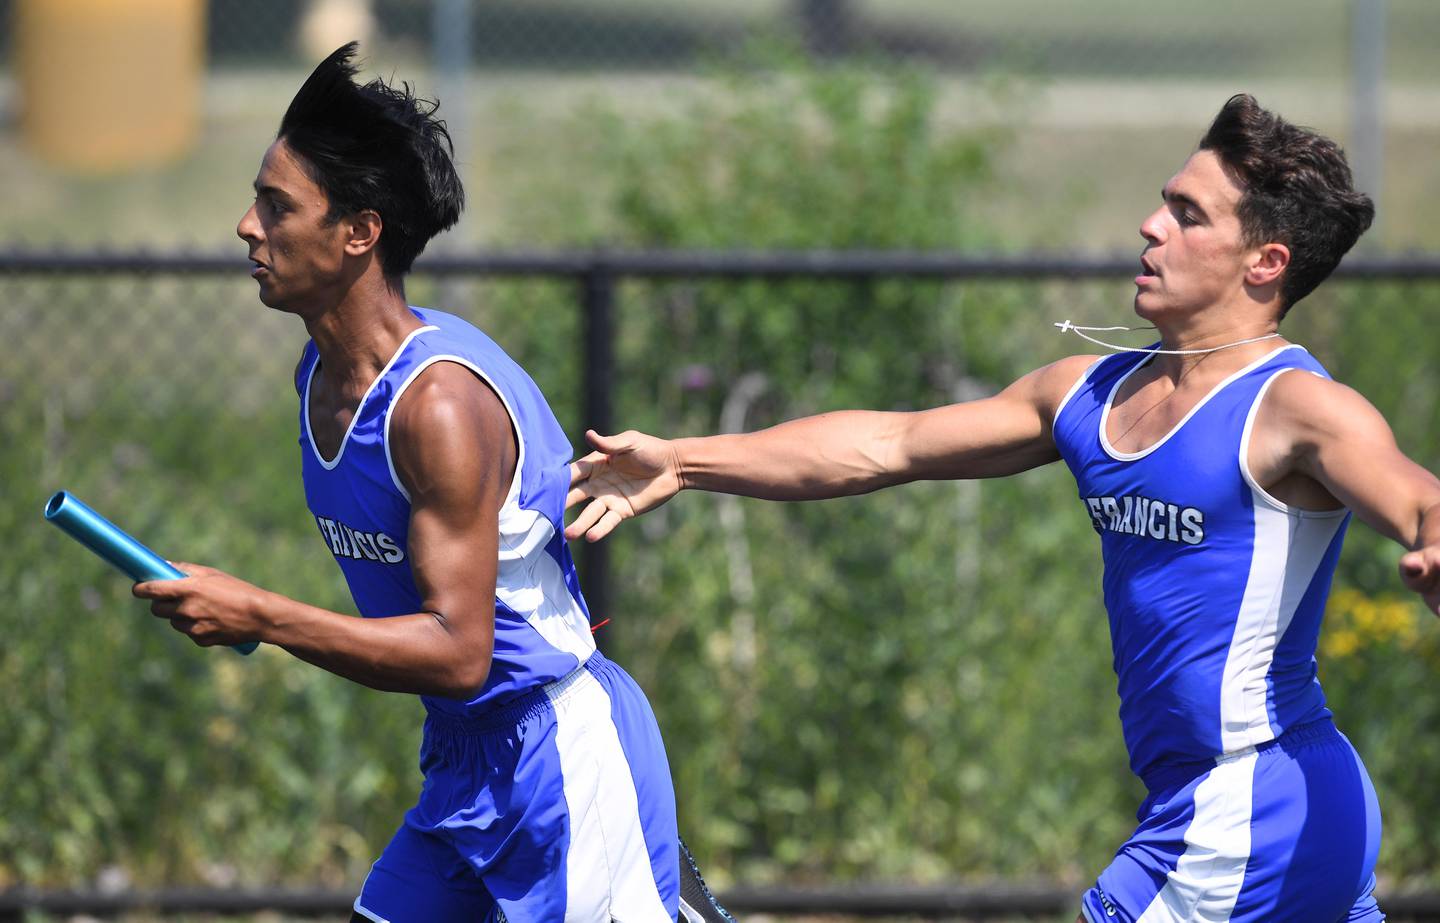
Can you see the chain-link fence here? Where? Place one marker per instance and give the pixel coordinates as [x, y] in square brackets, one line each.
[1092, 91]
[849, 689]
[912, 685]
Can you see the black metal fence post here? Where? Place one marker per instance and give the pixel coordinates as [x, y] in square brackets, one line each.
[597, 294]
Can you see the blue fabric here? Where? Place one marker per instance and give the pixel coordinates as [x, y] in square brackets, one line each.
[1258, 809]
[547, 792]
[644, 752]
[417, 878]
[363, 513]
[493, 824]
[1178, 527]
[1313, 831]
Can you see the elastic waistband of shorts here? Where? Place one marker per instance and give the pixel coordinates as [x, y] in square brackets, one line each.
[521, 708]
[1173, 775]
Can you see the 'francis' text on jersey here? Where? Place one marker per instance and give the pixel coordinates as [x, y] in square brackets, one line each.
[346, 542]
[1147, 518]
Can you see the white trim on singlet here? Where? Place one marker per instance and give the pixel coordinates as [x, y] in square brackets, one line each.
[1260, 492]
[1287, 548]
[345, 440]
[1075, 389]
[528, 580]
[367, 914]
[1286, 554]
[512, 494]
[1135, 456]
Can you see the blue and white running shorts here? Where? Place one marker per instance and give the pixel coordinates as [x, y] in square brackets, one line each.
[556, 807]
[1285, 831]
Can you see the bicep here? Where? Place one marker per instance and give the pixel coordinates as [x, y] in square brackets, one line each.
[1346, 445]
[454, 452]
[993, 437]
[996, 436]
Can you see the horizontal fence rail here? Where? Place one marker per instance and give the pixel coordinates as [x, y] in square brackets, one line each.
[598, 271]
[833, 264]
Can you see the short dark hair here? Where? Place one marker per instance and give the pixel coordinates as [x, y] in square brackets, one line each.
[1298, 191]
[376, 147]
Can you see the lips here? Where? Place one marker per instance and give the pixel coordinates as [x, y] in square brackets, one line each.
[1148, 272]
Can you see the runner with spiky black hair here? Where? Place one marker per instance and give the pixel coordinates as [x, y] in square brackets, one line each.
[436, 474]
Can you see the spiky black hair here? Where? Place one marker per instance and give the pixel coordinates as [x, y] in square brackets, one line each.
[376, 147]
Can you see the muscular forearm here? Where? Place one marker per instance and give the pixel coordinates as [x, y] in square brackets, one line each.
[831, 455]
[416, 653]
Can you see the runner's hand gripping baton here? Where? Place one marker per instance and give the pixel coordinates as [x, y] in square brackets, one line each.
[112, 543]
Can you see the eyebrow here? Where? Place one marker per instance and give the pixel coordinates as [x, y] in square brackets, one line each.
[1180, 197]
[273, 192]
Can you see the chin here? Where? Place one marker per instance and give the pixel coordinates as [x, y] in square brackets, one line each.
[275, 301]
[1151, 306]
[273, 305]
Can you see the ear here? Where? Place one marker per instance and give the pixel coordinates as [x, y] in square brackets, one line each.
[362, 232]
[1267, 263]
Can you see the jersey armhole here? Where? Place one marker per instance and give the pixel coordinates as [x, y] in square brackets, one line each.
[1074, 389]
[1244, 455]
[513, 492]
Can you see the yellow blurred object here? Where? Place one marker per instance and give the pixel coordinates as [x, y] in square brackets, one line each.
[109, 85]
[1355, 621]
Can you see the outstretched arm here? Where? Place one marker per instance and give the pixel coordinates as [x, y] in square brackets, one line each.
[454, 451]
[1328, 432]
[830, 455]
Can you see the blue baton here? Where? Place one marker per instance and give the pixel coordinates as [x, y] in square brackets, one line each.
[112, 543]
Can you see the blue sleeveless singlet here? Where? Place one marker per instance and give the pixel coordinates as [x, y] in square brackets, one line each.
[1214, 589]
[542, 625]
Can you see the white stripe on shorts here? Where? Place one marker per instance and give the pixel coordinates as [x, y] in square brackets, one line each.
[607, 870]
[367, 914]
[1206, 880]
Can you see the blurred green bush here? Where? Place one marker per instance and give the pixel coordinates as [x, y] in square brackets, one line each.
[914, 684]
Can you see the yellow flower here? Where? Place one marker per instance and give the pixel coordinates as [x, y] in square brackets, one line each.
[1357, 621]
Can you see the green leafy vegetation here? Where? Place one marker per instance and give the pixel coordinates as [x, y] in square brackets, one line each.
[910, 685]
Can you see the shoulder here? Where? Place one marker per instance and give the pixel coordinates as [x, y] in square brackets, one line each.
[1310, 406]
[1063, 374]
[1048, 386]
[449, 427]
[1304, 392]
[446, 397]
[452, 333]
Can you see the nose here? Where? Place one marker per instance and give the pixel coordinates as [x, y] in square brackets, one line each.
[249, 227]
[1153, 227]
